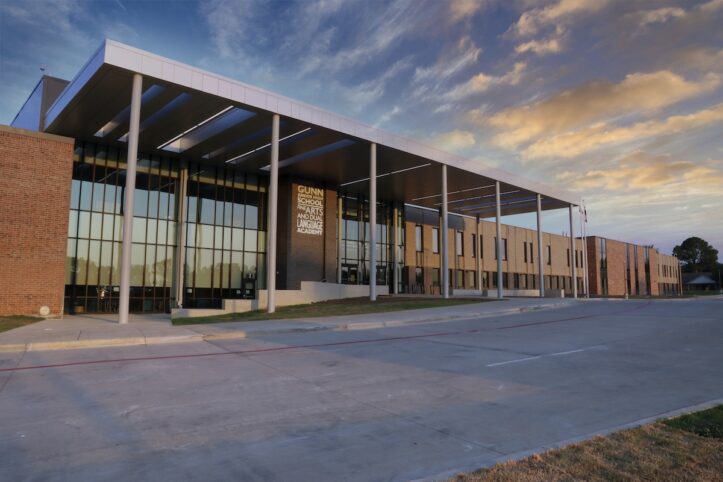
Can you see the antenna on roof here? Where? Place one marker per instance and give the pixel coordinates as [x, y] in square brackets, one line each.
[42, 69]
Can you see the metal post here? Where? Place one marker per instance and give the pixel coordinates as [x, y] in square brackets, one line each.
[498, 221]
[395, 250]
[540, 261]
[340, 239]
[445, 235]
[373, 222]
[272, 216]
[478, 255]
[181, 235]
[584, 254]
[125, 277]
[573, 255]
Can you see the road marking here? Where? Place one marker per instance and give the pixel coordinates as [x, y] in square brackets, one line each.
[560, 353]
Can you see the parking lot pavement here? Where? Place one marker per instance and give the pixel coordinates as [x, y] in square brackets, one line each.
[399, 403]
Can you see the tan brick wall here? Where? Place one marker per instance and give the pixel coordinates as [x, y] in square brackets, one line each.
[35, 180]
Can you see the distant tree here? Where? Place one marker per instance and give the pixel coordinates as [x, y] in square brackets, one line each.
[697, 255]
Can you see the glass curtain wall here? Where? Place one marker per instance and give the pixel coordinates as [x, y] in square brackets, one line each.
[95, 225]
[226, 238]
[355, 233]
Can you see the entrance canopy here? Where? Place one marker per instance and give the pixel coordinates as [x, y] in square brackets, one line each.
[193, 114]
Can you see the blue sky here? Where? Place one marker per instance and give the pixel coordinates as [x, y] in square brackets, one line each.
[620, 101]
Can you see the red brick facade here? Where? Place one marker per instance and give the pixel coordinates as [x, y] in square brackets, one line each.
[35, 181]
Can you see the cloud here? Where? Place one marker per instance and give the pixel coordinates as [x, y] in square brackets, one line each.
[455, 140]
[450, 63]
[595, 101]
[660, 15]
[712, 6]
[559, 13]
[574, 143]
[481, 82]
[643, 171]
[541, 47]
[462, 9]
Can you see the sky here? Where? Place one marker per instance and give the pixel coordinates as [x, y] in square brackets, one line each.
[617, 101]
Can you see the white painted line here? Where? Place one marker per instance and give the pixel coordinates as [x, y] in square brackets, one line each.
[560, 353]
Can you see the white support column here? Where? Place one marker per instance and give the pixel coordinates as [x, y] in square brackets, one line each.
[445, 235]
[395, 250]
[478, 255]
[130, 189]
[340, 239]
[272, 216]
[540, 259]
[181, 235]
[573, 255]
[498, 221]
[373, 222]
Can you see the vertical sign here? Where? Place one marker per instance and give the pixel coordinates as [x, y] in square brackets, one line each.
[309, 210]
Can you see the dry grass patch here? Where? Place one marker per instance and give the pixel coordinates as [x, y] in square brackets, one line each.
[654, 452]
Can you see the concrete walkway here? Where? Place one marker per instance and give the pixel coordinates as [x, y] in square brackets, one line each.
[103, 330]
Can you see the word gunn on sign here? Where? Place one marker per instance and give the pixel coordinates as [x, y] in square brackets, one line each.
[309, 210]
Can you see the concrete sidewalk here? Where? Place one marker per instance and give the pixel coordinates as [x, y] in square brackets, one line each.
[103, 330]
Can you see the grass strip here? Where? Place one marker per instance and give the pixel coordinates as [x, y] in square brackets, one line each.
[16, 321]
[349, 306]
[681, 449]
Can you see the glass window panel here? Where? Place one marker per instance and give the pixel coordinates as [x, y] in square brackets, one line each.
[204, 236]
[217, 269]
[227, 211]
[74, 194]
[235, 268]
[150, 274]
[151, 230]
[250, 240]
[191, 229]
[238, 213]
[139, 230]
[219, 209]
[252, 210]
[162, 231]
[153, 204]
[83, 224]
[250, 265]
[82, 263]
[262, 242]
[207, 210]
[115, 275]
[106, 263]
[191, 209]
[107, 227]
[85, 195]
[93, 262]
[352, 229]
[138, 266]
[226, 238]
[110, 194]
[218, 238]
[160, 266]
[73, 224]
[261, 272]
[163, 205]
[226, 269]
[118, 228]
[237, 239]
[171, 235]
[70, 261]
[97, 197]
[190, 267]
[140, 203]
[96, 224]
[204, 267]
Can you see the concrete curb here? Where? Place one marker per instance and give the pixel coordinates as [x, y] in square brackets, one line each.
[242, 334]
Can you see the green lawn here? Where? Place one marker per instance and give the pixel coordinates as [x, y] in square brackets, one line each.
[16, 321]
[687, 448]
[351, 306]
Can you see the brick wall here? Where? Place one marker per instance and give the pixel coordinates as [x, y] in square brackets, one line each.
[35, 179]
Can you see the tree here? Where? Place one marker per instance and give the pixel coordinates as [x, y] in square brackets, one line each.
[697, 255]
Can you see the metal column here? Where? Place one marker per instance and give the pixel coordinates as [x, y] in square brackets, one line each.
[272, 216]
[498, 221]
[445, 235]
[340, 239]
[573, 255]
[395, 250]
[540, 260]
[373, 222]
[181, 237]
[478, 256]
[130, 188]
